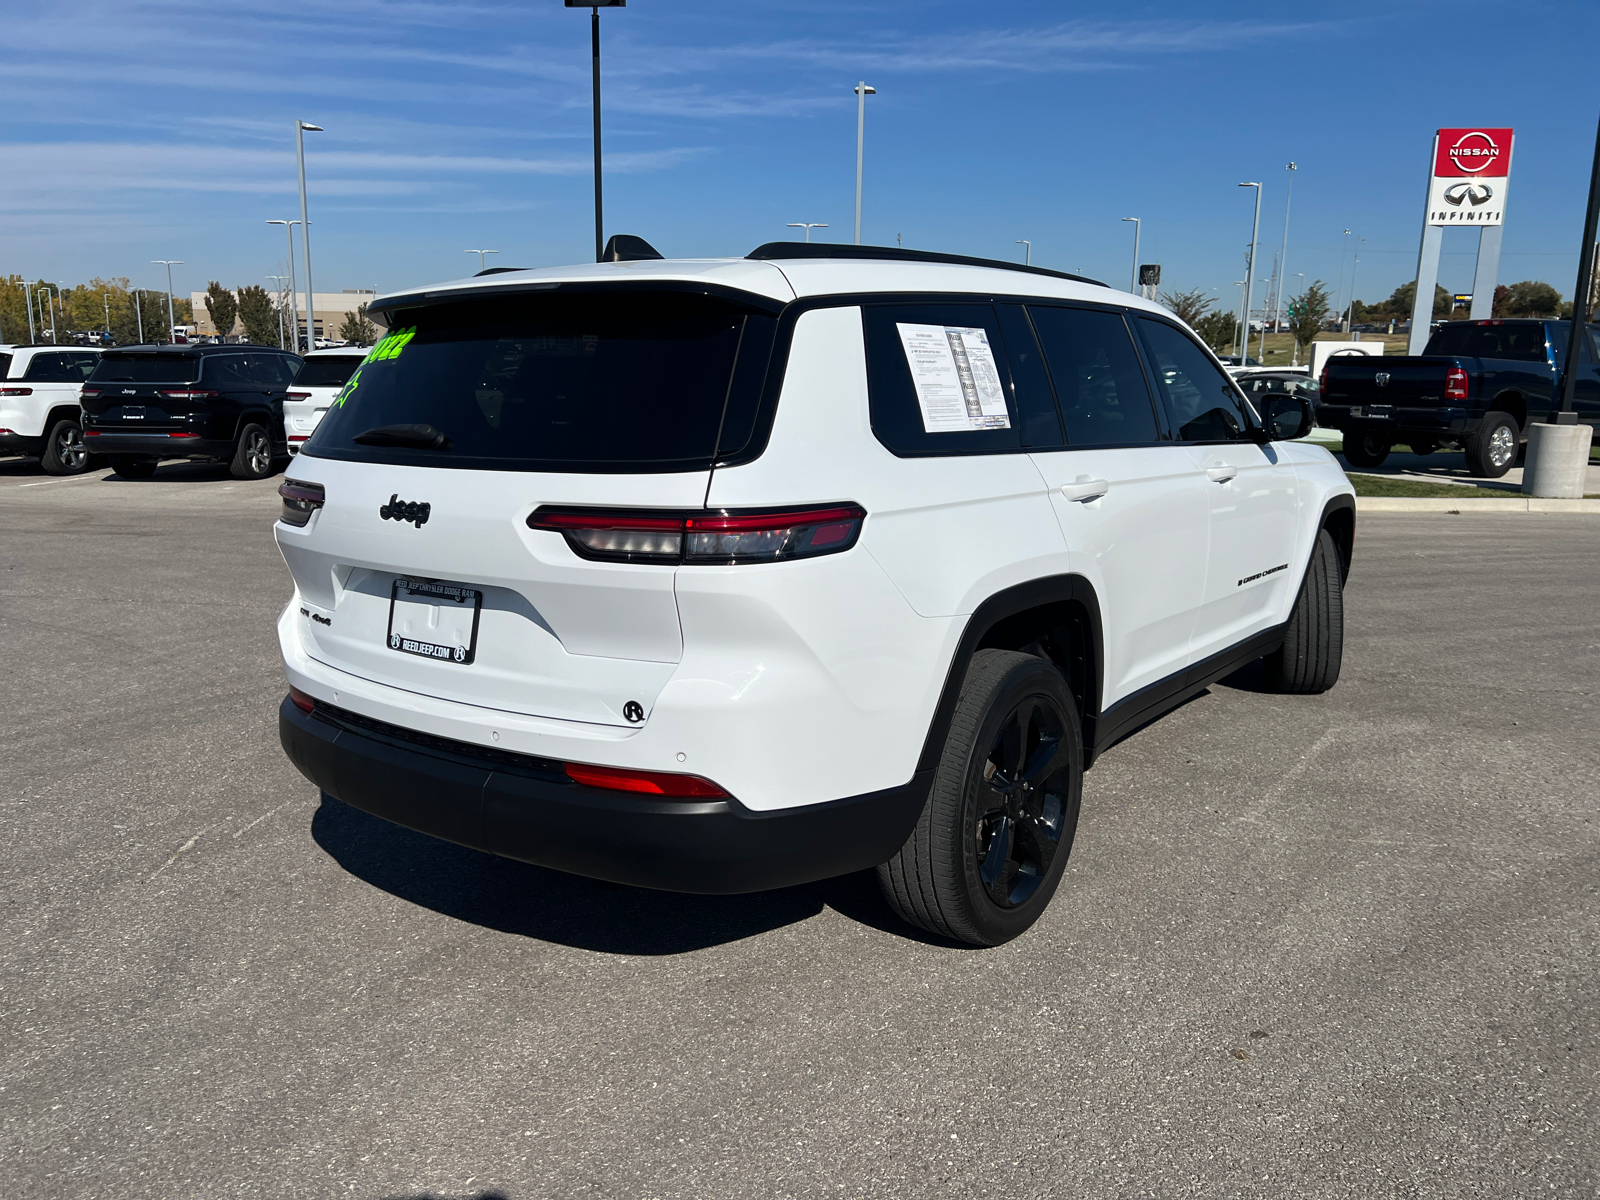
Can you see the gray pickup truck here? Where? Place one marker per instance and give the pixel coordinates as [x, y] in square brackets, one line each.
[1477, 386]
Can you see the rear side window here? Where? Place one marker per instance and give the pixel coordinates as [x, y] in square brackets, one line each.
[269, 370]
[230, 372]
[1202, 400]
[5, 365]
[146, 368]
[333, 371]
[634, 381]
[86, 363]
[1521, 343]
[54, 368]
[938, 380]
[1099, 383]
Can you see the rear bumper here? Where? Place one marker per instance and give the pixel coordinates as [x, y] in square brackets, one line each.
[16, 443]
[1438, 422]
[157, 445]
[525, 808]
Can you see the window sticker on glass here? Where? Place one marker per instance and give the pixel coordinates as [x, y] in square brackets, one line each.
[957, 380]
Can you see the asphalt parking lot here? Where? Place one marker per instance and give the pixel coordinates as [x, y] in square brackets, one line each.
[1328, 946]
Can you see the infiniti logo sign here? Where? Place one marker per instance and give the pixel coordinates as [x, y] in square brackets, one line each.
[405, 510]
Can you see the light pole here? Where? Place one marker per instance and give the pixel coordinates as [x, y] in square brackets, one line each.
[1250, 275]
[1344, 250]
[300, 128]
[480, 254]
[808, 226]
[169, 264]
[1027, 254]
[294, 306]
[1133, 277]
[1301, 276]
[50, 310]
[1239, 341]
[862, 92]
[1283, 258]
[594, 38]
[277, 281]
[27, 297]
[138, 315]
[106, 296]
[1349, 312]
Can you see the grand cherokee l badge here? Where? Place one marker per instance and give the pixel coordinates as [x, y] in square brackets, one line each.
[405, 510]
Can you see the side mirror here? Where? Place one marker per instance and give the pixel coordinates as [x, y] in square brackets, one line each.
[1286, 417]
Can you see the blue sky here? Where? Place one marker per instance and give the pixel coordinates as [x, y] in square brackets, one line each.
[137, 131]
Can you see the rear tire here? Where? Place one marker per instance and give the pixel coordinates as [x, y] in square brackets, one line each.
[992, 842]
[1313, 640]
[1365, 450]
[133, 468]
[1423, 447]
[1492, 450]
[64, 452]
[252, 457]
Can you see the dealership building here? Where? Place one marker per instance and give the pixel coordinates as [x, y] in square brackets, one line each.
[331, 310]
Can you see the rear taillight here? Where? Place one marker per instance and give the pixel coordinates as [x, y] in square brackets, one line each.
[189, 394]
[1322, 384]
[726, 538]
[302, 701]
[1455, 384]
[299, 395]
[88, 393]
[300, 500]
[647, 783]
[13, 391]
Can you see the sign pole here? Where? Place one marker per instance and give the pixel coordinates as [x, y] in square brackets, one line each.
[1581, 293]
[1427, 266]
[1483, 281]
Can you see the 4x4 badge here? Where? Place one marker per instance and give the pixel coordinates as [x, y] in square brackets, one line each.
[405, 510]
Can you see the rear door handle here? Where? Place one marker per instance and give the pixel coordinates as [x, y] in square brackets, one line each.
[1221, 474]
[1083, 489]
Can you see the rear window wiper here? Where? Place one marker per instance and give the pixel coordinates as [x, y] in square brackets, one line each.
[416, 437]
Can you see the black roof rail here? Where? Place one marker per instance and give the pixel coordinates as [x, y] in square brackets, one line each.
[900, 254]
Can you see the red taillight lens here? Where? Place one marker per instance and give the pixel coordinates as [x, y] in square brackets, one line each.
[299, 395]
[183, 435]
[14, 391]
[728, 538]
[1455, 384]
[647, 783]
[188, 394]
[302, 701]
[1322, 384]
[88, 393]
[300, 500]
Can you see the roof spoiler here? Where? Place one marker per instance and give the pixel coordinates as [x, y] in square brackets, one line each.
[900, 254]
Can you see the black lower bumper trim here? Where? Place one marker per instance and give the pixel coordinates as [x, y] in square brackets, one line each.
[524, 808]
[135, 445]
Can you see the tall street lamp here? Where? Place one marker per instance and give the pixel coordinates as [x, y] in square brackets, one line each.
[1349, 312]
[1133, 277]
[480, 254]
[1250, 274]
[169, 264]
[1344, 250]
[862, 92]
[594, 38]
[300, 129]
[808, 226]
[27, 298]
[1283, 258]
[294, 305]
[1301, 276]
[277, 287]
[1027, 253]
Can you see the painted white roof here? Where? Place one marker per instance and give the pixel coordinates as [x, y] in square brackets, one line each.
[794, 278]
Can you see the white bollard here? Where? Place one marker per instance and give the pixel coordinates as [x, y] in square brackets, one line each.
[1558, 458]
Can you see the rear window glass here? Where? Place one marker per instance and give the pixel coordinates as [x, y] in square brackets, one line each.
[1522, 343]
[636, 381]
[59, 368]
[327, 372]
[5, 365]
[147, 368]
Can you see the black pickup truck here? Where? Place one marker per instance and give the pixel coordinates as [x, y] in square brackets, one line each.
[1477, 386]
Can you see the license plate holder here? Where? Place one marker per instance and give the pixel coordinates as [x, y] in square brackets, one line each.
[432, 619]
[133, 412]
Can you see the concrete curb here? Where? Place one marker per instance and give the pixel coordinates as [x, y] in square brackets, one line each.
[1474, 504]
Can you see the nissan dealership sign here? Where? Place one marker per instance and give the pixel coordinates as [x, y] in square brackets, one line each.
[1471, 168]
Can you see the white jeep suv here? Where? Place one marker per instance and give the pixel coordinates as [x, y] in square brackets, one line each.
[725, 575]
[321, 375]
[39, 413]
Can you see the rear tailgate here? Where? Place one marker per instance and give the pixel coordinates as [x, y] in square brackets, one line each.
[1383, 388]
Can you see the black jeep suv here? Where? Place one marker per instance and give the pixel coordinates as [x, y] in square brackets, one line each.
[146, 403]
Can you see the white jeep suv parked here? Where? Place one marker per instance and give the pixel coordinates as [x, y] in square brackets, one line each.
[39, 414]
[726, 575]
[321, 375]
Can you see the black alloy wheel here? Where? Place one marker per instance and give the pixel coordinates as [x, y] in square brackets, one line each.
[64, 451]
[1021, 803]
[253, 457]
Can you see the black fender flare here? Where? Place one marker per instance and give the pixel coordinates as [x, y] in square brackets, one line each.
[1339, 519]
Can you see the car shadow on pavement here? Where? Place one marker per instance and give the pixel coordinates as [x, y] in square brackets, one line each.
[536, 902]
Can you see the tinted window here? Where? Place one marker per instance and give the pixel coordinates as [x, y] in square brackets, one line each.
[230, 372]
[274, 370]
[86, 364]
[1099, 383]
[1030, 383]
[5, 365]
[1259, 387]
[53, 368]
[1523, 343]
[1202, 400]
[334, 371]
[146, 368]
[938, 382]
[583, 382]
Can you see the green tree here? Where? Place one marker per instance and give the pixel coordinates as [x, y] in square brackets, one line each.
[223, 307]
[1216, 329]
[1532, 298]
[1308, 311]
[1189, 307]
[1399, 302]
[357, 330]
[259, 315]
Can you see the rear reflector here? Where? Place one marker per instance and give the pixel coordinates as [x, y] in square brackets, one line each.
[302, 701]
[647, 783]
[300, 500]
[725, 538]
